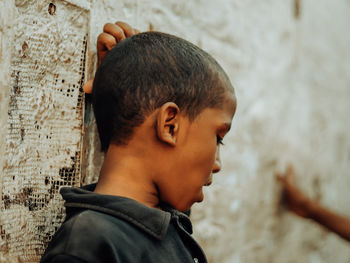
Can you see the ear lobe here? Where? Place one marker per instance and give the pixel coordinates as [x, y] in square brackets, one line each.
[168, 123]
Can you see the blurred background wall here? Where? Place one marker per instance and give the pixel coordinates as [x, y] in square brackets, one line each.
[289, 62]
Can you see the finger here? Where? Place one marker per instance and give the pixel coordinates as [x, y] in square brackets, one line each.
[116, 31]
[128, 30]
[105, 42]
[290, 169]
[290, 176]
[87, 87]
[279, 176]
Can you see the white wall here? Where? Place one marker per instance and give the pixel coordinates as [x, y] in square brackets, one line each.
[290, 73]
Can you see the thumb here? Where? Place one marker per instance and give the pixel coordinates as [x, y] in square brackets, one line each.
[279, 176]
[87, 87]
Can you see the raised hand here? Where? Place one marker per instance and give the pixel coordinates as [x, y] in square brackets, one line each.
[293, 198]
[112, 35]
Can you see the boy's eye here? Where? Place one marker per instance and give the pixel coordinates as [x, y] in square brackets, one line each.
[219, 140]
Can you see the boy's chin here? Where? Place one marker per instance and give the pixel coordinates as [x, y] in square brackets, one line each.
[186, 207]
[201, 196]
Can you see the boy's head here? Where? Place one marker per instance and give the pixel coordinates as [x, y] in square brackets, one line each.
[147, 70]
[167, 104]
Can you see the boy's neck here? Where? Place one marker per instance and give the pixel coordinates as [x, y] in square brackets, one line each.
[124, 173]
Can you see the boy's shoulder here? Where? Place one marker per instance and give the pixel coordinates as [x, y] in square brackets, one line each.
[88, 207]
[101, 228]
[91, 236]
[98, 225]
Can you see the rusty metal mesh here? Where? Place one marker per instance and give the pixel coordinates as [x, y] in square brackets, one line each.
[44, 127]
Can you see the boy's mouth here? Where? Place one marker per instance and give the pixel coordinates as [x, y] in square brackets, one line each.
[209, 180]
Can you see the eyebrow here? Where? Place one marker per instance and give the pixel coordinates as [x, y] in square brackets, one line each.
[227, 126]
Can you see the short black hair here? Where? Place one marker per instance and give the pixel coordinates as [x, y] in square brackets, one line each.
[143, 72]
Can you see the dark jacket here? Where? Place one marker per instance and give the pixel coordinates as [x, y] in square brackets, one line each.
[104, 228]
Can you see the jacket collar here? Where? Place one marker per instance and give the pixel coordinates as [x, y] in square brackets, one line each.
[154, 222]
[182, 218]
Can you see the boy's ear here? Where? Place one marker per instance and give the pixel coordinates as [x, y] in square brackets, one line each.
[168, 123]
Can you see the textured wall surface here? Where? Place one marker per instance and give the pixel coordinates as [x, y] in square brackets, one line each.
[44, 122]
[289, 61]
[7, 13]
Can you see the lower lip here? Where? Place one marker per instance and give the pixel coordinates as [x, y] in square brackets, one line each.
[201, 195]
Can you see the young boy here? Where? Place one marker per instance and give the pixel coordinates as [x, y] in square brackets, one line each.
[162, 107]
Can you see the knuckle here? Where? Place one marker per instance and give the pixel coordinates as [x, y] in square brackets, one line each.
[107, 26]
[100, 39]
[120, 23]
[100, 36]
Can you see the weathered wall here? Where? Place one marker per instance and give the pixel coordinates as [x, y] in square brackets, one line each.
[292, 84]
[6, 19]
[289, 62]
[46, 45]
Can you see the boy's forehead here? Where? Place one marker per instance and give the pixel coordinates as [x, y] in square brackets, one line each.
[230, 101]
[229, 94]
[225, 110]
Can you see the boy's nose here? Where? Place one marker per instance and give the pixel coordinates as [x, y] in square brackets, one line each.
[217, 163]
